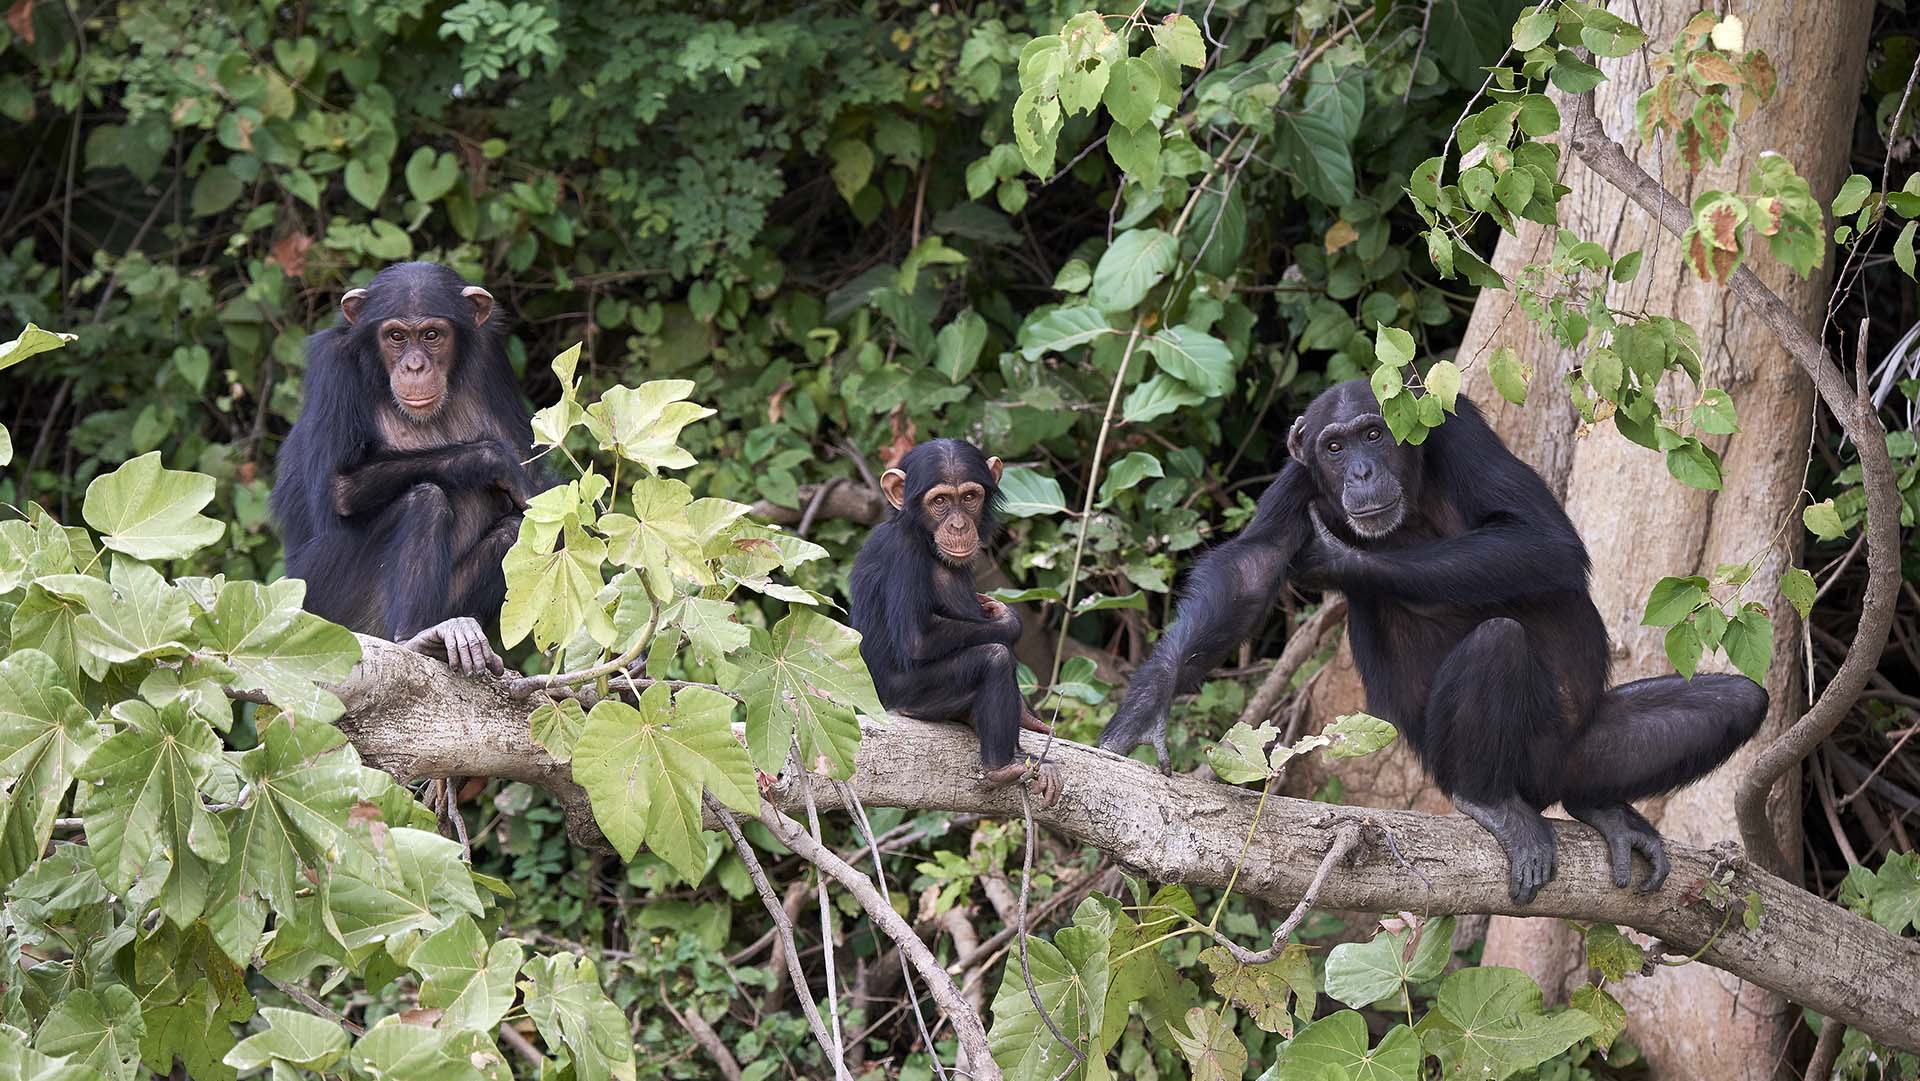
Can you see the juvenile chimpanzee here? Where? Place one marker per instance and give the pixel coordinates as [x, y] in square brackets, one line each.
[1471, 627]
[401, 486]
[938, 650]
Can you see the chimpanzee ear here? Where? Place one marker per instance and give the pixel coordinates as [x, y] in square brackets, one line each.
[893, 485]
[482, 302]
[1295, 439]
[994, 466]
[351, 304]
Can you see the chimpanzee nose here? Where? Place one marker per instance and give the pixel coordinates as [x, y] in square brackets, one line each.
[1361, 471]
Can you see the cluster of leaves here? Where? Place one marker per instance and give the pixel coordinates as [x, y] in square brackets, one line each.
[135, 945]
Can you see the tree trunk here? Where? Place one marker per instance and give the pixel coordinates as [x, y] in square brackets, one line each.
[1638, 522]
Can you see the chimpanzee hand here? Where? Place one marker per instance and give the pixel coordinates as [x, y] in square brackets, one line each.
[509, 474]
[999, 613]
[461, 643]
[1328, 555]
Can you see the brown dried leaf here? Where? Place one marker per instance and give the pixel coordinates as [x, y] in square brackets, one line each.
[289, 253]
[1761, 78]
[1342, 234]
[20, 18]
[1713, 69]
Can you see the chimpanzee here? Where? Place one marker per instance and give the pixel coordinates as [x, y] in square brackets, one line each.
[938, 650]
[1472, 629]
[401, 486]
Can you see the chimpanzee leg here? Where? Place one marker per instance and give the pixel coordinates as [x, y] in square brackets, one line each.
[979, 685]
[1491, 728]
[477, 587]
[417, 563]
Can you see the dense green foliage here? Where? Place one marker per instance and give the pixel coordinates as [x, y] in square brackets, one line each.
[1114, 249]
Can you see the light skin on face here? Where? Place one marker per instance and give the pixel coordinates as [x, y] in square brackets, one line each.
[418, 350]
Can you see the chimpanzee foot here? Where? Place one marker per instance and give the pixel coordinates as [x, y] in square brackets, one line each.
[1526, 839]
[1627, 831]
[1032, 723]
[461, 643]
[1046, 779]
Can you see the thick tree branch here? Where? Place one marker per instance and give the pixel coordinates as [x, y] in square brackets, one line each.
[413, 717]
[1855, 412]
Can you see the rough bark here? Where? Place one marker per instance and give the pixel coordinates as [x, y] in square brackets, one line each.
[412, 717]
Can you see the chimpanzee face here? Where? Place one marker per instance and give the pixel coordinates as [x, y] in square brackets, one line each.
[948, 488]
[1355, 462]
[419, 349]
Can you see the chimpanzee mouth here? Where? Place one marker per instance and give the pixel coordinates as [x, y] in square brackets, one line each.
[419, 405]
[960, 557]
[1376, 521]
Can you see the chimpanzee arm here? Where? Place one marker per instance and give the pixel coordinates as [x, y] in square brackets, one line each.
[944, 636]
[1507, 557]
[1227, 597]
[386, 476]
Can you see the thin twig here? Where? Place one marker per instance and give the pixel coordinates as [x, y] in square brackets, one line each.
[1345, 840]
[848, 799]
[1304, 644]
[315, 1005]
[826, 924]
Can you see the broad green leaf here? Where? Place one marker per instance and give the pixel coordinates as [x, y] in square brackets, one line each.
[1212, 1050]
[1627, 266]
[431, 174]
[805, 678]
[1514, 189]
[1476, 183]
[1604, 372]
[1157, 397]
[1715, 413]
[367, 182]
[1265, 990]
[1596, 1003]
[45, 733]
[557, 726]
[1137, 153]
[658, 539]
[645, 769]
[852, 166]
[564, 998]
[1533, 29]
[1075, 275]
[1136, 262]
[711, 627]
[1443, 382]
[151, 512]
[1036, 129]
[1314, 147]
[1132, 92]
[1180, 36]
[100, 1028]
[1358, 734]
[1672, 600]
[1852, 195]
[132, 615]
[553, 595]
[1062, 329]
[552, 423]
[1128, 472]
[1337, 1046]
[215, 190]
[295, 1038]
[421, 883]
[1509, 375]
[957, 347]
[1197, 359]
[1026, 492]
[1614, 954]
[273, 646]
[1748, 641]
[1487, 1023]
[21, 1061]
[32, 342]
[1538, 116]
[1387, 384]
[1392, 347]
[1241, 754]
[1574, 75]
[1823, 519]
[1070, 974]
[1798, 587]
[468, 977]
[1695, 464]
[1903, 247]
[1608, 34]
[1362, 973]
[393, 1048]
[642, 424]
[144, 815]
[1683, 646]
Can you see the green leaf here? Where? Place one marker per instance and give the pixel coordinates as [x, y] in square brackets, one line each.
[1074, 277]
[1026, 492]
[1128, 472]
[1749, 643]
[1487, 1023]
[852, 166]
[1392, 347]
[1672, 600]
[45, 733]
[1362, 973]
[1443, 382]
[1315, 148]
[551, 424]
[1036, 129]
[274, 647]
[1336, 1046]
[1715, 413]
[1538, 116]
[1574, 75]
[1596, 1003]
[1197, 359]
[1132, 92]
[468, 978]
[1212, 1050]
[1614, 954]
[1157, 397]
[1062, 329]
[1424, 184]
[1532, 30]
[1070, 975]
[1477, 184]
[144, 816]
[1903, 247]
[1683, 646]
[1609, 35]
[1358, 734]
[553, 595]
[1695, 464]
[957, 347]
[1241, 754]
[1798, 587]
[1136, 151]
[805, 678]
[135, 614]
[1852, 195]
[367, 182]
[431, 175]
[642, 424]
[216, 190]
[1627, 266]
[644, 769]
[1514, 189]
[151, 512]
[1509, 375]
[1136, 262]
[1265, 990]
[711, 627]
[567, 1005]
[1180, 37]
[1824, 520]
[658, 539]
[294, 1038]
[557, 726]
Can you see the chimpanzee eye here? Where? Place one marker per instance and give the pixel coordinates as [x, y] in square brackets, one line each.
[397, 336]
[1373, 435]
[430, 335]
[972, 496]
[1333, 447]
